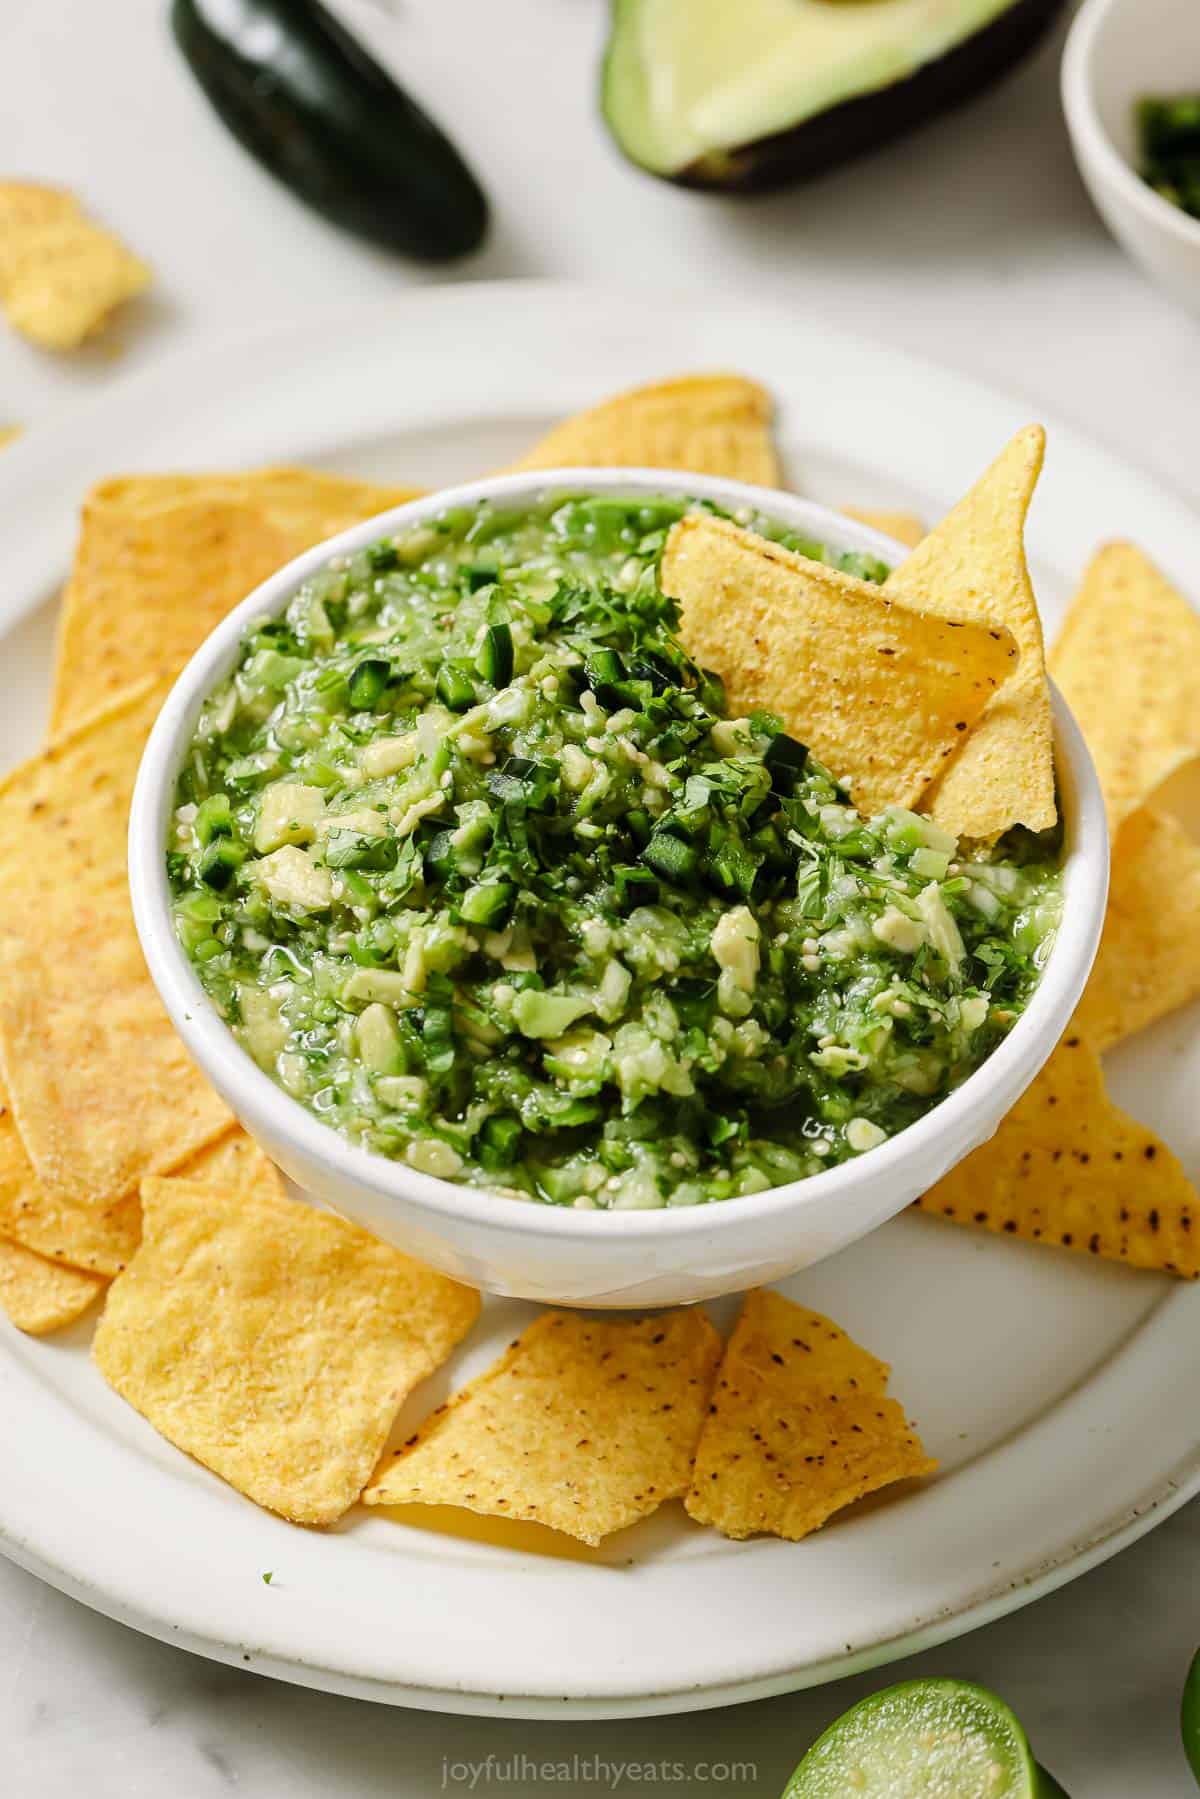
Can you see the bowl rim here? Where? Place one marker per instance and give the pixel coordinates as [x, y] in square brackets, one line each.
[1094, 138]
[1004, 1076]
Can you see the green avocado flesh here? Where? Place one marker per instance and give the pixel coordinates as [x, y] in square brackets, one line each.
[473, 862]
[750, 94]
[923, 1739]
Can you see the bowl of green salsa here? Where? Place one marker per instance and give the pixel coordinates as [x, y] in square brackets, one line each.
[506, 939]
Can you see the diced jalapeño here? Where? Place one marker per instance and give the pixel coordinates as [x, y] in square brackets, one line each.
[786, 759]
[671, 858]
[495, 658]
[634, 887]
[368, 682]
[454, 687]
[214, 818]
[220, 863]
[498, 1142]
[488, 904]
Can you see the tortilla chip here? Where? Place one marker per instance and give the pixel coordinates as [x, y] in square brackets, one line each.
[98, 1238]
[272, 1342]
[41, 1296]
[972, 565]
[163, 558]
[905, 527]
[581, 1426]
[1128, 662]
[800, 1426]
[102, 1239]
[236, 1163]
[146, 590]
[879, 692]
[1149, 957]
[306, 504]
[1068, 1167]
[102, 1089]
[9, 434]
[697, 424]
[60, 275]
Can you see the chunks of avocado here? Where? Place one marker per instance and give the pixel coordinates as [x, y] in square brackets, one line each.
[762, 92]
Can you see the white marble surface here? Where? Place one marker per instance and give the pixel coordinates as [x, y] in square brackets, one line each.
[972, 244]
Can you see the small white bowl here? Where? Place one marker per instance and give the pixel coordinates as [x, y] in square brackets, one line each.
[1118, 51]
[548, 1253]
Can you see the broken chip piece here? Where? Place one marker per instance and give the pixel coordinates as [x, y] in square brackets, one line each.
[272, 1342]
[580, 1425]
[1068, 1167]
[973, 566]
[800, 1426]
[882, 694]
[699, 424]
[1128, 662]
[61, 276]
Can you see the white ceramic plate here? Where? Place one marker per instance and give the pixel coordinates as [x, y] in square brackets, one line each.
[1058, 1393]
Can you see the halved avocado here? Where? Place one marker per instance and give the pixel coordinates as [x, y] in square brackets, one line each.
[751, 94]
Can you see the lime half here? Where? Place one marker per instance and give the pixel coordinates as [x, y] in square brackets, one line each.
[923, 1739]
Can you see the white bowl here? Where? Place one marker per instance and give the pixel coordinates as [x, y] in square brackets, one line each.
[558, 1255]
[1118, 51]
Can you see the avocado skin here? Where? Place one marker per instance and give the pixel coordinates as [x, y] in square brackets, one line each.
[855, 127]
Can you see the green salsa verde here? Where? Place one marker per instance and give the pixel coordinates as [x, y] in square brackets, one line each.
[472, 860]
